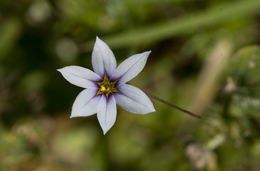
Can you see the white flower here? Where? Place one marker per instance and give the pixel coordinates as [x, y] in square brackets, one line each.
[107, 86]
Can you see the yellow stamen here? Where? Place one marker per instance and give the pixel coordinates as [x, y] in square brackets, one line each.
[107, 87]
[102, 88]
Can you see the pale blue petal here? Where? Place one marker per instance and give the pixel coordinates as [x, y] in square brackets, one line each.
[80, 76]
[103, 59]
[133, 100]
[106, 112]
[131, 67]
[85, 103]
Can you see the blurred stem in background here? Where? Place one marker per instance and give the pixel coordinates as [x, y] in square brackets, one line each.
[184, 25]
[211, 75]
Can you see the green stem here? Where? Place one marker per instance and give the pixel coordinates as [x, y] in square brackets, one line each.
[183, 25]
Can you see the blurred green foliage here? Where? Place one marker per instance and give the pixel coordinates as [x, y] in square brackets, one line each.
[205, 57]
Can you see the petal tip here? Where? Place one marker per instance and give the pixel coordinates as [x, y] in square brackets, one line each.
[59, 70]
[104, 132]
[98, 39]
[147, 53]
[73, 115]
[152, 109]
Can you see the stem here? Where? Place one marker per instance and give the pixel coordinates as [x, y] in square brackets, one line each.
[174, 106]
[184, 25]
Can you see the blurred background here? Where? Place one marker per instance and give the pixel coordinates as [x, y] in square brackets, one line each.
[205, 57]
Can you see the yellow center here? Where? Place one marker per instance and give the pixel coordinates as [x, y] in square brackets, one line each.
[102, 88]
[107, 87]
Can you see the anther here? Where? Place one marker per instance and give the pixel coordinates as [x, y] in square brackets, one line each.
[103, 88]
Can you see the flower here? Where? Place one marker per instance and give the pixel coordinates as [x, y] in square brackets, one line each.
[107, 86]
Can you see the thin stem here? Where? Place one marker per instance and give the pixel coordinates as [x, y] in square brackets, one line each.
[174, 106]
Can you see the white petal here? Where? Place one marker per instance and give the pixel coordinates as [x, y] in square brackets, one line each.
[79, 76]
[133, 100]
[103, 59]
[85, 103]
[106, 112]
[131, 67]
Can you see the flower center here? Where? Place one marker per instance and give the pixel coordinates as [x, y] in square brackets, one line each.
[107, 87]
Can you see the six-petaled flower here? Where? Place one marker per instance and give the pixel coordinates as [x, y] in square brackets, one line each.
[107, 86]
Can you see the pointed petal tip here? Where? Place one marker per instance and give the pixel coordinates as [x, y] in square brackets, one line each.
[98, 39]
[102, 43]
[59, 70]
[152, 109]
[104, 131]
[73, 116]
[149, 51]
[148, 112]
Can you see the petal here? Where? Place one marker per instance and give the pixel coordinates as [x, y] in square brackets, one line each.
[103, 59]
[79, 76]
[85, 103]
[133, 100]
[131, 67]
[106, 112]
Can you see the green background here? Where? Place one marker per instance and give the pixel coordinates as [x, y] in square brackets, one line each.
[205, 57]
